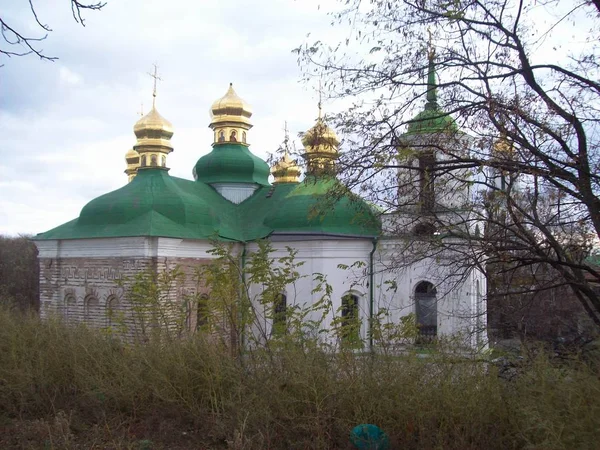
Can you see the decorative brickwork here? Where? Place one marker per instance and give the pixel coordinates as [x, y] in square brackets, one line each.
[86, 290]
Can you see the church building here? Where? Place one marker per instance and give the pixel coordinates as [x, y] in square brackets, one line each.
[156, 222]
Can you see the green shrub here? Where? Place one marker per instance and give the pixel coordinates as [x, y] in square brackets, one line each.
[291, 396]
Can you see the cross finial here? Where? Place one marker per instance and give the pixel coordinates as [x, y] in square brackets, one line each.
[156, 78]
[286, 139]
[320, 97]
[430, 48]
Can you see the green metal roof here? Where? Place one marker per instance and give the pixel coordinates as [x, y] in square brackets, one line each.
[232, 163]
[156, 204]
[323, 205]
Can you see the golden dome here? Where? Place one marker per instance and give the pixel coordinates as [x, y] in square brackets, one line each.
[153, 121]
[230, 107]
[230, 119]
[133, 162]
[286, 170]
[321, 145]
[320, 138]
[502, 146]
[131, 155]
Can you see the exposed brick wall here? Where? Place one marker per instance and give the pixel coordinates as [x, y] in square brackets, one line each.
[85, 290]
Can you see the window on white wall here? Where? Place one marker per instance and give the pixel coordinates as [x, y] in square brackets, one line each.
[350, 321]
[279, 315]
[426, 309]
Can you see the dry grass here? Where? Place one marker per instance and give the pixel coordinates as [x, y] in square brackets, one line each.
[63, 388]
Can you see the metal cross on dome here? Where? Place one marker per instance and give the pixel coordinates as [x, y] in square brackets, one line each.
[156, 78]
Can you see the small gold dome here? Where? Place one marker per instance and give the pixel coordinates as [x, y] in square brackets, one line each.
[286, 170]
[131, 155]
[231, 105]
[321, 145]
[320, 138]
[153, 121]
[230, 119]
[502, 146]
[133, 162]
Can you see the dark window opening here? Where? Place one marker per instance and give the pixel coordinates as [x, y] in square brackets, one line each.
[426, 181]
[202, 312]
[280, 315]
[426, 310]
[350, 325]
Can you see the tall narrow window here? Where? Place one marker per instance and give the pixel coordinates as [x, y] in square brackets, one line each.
[91, 309]
[143, 160]
[426, 309]
[112, 311]
[153, 160]
[426, 181]
[280, 315]
[69, 305]
[202, 312]
[350, 325]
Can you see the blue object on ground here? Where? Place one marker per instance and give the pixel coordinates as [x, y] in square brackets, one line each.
[369, 437]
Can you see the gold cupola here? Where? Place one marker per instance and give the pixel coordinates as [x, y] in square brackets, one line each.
[153, 133]
[285, 170]
[230, 119]
[133, 162]
[503, 148]
[321, 148]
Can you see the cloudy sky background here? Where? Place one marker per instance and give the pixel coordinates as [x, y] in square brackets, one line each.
[65, 125]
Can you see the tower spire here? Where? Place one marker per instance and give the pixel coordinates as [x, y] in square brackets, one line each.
[156, 78]
[431, 83]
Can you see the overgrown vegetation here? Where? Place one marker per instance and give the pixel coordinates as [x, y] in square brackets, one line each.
[19, 273]
[64, 387]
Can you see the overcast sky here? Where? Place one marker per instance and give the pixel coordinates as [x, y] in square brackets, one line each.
[65, 125]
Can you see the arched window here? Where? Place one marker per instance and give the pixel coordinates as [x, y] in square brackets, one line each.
[113, 309]
[164, 161]
[244, 137]
[233, 136]
[153, 161]
[68, 307]
[279, 315]
[221, 136]
[202, 312]
[350, 324]
[91, 308]
[426, 308]
[143, 160]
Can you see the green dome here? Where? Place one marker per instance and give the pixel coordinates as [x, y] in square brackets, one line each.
[431, 120]
[231, 163]
[313, 206]
[152, 204]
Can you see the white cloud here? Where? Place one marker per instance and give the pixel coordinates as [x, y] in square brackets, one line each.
[69, 77]
[66, 126]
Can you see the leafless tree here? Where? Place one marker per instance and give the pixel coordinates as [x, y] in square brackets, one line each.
[512, 181]
[17, 43]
